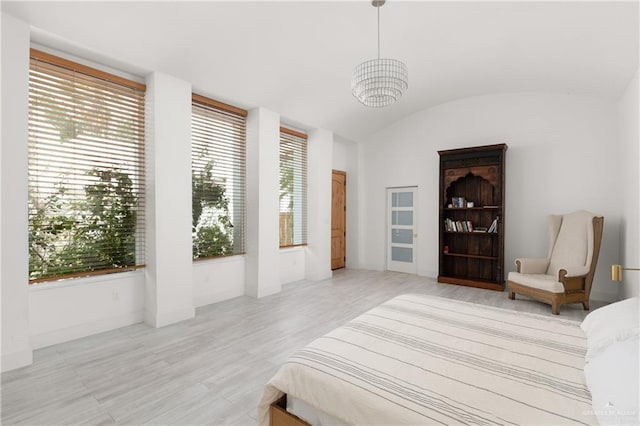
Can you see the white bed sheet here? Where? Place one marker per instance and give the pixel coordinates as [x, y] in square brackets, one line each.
[423, 360]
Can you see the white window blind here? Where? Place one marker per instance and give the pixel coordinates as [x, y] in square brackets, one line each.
[86, 170]
[293, 187]
[218, 158]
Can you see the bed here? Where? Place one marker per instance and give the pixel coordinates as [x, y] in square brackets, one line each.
[425, 360]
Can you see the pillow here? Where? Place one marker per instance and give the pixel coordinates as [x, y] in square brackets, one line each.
[609, 324]
[612, 378]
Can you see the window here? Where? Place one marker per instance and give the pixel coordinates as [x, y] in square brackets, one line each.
[86, 170]
[218, 161]
[293, 188]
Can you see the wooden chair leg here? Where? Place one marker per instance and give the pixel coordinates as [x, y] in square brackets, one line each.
[555, 308]
[585, 305]
[512, 295]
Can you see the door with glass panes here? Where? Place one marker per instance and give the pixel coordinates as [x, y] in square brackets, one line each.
[401, 229]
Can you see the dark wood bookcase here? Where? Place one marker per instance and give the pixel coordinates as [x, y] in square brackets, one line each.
[471, 199]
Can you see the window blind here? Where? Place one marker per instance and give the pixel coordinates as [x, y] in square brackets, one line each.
[86, 170]
[293, 187]
[218, 158]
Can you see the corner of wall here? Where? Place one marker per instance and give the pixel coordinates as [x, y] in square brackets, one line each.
[169, 270]
[319, 169]
[14, 263]
[629, 145]
[262, 275]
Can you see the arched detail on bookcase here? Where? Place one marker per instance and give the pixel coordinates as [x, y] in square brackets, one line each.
[489, 173]
[475, 188]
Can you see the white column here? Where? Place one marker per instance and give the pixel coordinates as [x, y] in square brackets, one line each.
[319, 166]
[168, 274]
[263, 184]
[14, 257]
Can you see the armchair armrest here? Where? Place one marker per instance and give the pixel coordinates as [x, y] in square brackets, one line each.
[572, 272]
[573, 278]
[532, 266]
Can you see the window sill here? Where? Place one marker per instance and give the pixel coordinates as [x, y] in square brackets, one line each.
[288, 249]
[219, 259]
[83, 281]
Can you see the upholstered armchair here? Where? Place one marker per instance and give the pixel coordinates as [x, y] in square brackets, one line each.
[566, 274]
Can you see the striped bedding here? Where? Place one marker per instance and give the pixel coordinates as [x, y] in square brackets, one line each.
[424, 360]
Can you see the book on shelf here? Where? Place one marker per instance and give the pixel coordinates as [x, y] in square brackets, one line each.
[449, 225]
[490, 207]
[458, 202]
[458, 225]
[494, 225]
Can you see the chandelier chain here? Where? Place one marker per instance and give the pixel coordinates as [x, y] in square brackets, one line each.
[378, 31]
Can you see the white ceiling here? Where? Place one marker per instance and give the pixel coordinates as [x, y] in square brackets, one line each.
[296, 58]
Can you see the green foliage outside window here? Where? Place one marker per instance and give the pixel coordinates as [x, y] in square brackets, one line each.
[68, 236]
[211, 224]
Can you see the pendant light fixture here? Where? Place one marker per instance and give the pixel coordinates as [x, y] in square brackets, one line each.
[379, 82]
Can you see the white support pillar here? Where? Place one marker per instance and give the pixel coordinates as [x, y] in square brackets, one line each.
[168, 274]
[319, 166]
[262, 276]
[14, 225]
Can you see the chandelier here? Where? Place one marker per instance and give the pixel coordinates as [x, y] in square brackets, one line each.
[379, 82]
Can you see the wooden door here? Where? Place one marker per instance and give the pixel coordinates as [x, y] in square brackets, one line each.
[338, 219]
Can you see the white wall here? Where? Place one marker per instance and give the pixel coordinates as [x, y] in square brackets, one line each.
[630, 184]
[16, 349]
[318, 249]
[62, 311]
[562, 156]
[168, 272]
[345, 158]
[292, 264]
[262, 276]
[215, 280]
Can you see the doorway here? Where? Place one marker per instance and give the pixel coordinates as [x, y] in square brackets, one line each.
[401, 229]
[338, 219]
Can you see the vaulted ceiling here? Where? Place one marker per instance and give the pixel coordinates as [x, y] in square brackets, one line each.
[296, 58]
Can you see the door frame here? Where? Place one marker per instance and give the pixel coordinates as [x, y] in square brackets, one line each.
[410, 268]
[344, 213]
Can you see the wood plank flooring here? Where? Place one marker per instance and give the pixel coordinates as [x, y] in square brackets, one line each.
[211, 369]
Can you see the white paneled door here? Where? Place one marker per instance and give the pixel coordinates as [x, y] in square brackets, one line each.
[401, 229]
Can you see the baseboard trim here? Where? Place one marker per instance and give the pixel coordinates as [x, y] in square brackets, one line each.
[319, 276]
[427, 274]
[268, 291]
[210, 298]
[17, 359]
[371, 267]
[603, 296]
[168, 318]
[86, 329]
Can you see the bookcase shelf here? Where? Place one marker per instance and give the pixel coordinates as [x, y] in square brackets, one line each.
[471, 256]
[472, 175]
[472, 232]
[471, 208]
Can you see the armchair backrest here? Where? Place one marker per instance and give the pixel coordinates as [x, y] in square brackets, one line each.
[572, 240]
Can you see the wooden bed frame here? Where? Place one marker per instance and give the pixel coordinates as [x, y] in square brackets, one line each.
[279, 416]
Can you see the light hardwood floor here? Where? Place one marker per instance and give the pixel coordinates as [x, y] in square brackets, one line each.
[211, 369]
